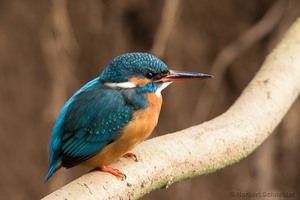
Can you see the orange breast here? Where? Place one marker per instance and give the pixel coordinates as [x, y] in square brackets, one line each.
[143, 123]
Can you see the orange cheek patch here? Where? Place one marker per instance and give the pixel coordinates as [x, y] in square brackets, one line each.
[139, 81]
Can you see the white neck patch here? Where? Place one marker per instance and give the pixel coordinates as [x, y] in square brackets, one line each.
[163, 86]
[125, 85]
[128, 85]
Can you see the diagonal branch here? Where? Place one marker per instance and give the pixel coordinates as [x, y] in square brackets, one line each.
[210, 146]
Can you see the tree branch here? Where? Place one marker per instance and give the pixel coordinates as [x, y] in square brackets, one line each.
[210, 146]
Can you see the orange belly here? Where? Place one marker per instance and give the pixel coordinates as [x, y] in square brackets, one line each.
[142, 125]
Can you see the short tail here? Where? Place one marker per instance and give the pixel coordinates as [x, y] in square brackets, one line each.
[53, 168]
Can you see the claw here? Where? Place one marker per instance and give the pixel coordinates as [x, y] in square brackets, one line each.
[130, 154]
[113, 171]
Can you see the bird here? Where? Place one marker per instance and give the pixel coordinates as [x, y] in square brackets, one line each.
[113, 113]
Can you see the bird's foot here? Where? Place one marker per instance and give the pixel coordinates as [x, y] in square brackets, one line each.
[113, 171]
[130, 155]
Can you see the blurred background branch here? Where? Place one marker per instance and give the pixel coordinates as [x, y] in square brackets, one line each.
[61, 52]
[168, 19]
[232, 51]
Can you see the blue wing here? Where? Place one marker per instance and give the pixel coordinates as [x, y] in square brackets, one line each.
[89, 121]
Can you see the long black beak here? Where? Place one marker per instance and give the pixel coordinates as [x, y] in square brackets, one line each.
[176, 75]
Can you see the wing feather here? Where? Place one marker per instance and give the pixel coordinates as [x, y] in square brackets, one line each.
[90, 120]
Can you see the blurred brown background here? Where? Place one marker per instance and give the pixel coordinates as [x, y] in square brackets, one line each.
[49, 49]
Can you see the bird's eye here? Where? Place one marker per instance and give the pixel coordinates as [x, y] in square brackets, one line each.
[150, 75]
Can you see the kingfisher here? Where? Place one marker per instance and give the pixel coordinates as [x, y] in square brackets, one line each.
[113, 113]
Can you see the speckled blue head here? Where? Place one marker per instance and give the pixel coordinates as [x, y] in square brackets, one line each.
[126, 66]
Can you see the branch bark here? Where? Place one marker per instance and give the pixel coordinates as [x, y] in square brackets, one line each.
[210, 146]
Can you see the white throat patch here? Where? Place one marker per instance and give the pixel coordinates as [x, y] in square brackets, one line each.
[163, 86]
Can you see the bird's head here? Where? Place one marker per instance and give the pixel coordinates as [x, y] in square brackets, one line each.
[144, 72]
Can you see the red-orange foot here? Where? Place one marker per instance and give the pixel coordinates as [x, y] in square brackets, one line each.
[130, 154]
[113, 171]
